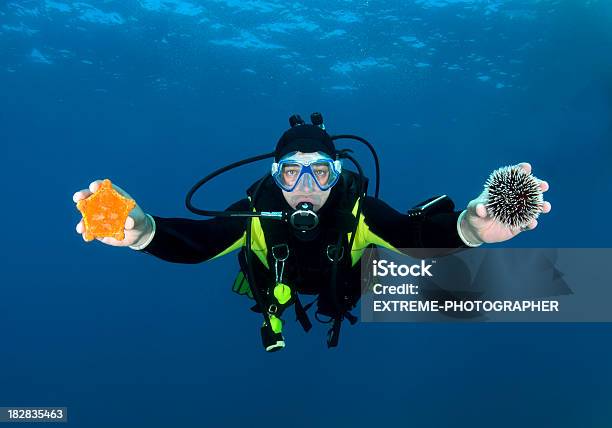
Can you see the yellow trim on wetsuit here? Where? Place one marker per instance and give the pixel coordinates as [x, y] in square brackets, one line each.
[258, 243]
[364, 237]
[237, 244]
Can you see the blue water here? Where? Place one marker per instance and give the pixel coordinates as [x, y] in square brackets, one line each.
[155, 94]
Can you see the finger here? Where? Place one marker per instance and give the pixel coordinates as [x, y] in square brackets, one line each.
[546, 207]
[84, 235]
[481, 210]
[526, 166]
[79, 227]
[95, 185]
[544, 185]
[129, 223]
[532, 225]
[101, 239]
[81, 194]
[110, 241]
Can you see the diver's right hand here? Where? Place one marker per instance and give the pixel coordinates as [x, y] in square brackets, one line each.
[138, 226]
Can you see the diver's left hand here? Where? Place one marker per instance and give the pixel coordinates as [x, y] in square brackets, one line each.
[478, 226]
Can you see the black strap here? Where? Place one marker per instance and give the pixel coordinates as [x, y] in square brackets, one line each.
[301, 315]
[310, 304]
[333, 334]
[257, 293]
[350, 317]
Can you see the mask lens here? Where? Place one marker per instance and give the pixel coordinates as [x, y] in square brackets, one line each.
[289, 173]
[321, 172]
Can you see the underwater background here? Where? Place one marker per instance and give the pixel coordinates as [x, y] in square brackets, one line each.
[155, 94]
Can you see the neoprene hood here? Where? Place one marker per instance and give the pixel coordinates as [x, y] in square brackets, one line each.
[306, 139]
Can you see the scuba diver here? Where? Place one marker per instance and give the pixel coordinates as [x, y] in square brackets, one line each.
[303, 228]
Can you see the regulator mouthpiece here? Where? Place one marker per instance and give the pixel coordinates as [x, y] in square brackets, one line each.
[304, 218]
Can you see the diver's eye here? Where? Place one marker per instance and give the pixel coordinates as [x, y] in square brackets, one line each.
[321, 170]
[291, 173]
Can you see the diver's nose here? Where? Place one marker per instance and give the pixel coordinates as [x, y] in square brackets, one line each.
[306, 183]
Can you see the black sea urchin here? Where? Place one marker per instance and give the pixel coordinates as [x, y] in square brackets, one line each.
[514, 197]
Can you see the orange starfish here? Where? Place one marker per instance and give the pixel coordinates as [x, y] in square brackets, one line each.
[105, 212]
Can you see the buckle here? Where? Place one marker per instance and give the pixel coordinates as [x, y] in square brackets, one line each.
[333, 248]
[277, 248]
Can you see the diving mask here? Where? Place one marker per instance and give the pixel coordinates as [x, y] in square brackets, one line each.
[317, 169]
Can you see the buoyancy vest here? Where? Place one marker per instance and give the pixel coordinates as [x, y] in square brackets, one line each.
[306, 268]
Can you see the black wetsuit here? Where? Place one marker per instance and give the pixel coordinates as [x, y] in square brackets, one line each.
[193, 241]
[182, 240]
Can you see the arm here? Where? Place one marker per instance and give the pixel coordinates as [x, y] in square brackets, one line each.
[441, 227]
[433, 228]
[180, 240]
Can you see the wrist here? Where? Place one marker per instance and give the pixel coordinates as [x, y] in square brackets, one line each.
[465, 233]
[147, 236]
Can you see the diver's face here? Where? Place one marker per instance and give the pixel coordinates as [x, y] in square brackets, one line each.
[306, 189]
